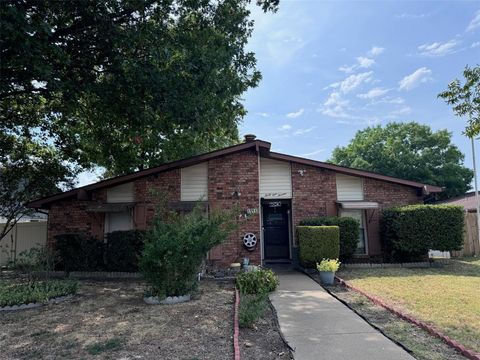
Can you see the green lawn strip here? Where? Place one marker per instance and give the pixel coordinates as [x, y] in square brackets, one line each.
[444, 297]
[34, 292]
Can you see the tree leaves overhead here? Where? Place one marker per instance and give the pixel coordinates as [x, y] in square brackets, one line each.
[126, 84]
[409, 151]
[465, 99]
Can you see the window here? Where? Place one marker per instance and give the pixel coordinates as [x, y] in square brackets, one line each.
[121, 193]
[194, 182]
[349, 188]
[118, 221]
[362, 236]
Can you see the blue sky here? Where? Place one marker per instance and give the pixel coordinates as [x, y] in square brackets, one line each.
[332, 68]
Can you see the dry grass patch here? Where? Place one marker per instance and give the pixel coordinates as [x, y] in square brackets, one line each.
[446, 297]
[109, 320]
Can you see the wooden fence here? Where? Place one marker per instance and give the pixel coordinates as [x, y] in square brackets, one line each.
[471, 245]
[23, 236]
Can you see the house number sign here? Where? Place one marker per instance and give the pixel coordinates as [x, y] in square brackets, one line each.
[274, 204]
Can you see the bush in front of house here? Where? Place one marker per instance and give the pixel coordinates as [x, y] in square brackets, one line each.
[261, 281]
[349, 232]
[252, 307]
[123, 250]
[79, 253]
[408, 232]
[35, 292]
[316, 243]
[176, 246]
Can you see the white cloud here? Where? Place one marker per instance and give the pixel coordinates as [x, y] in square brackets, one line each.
[373, 93]
[347, 69]
[475, 44]
[475, 23]
[335, 99]
[304, 131]
[354, 81]
[437, 48]
[412, 16]
[411, 81]
[296, 113]
[316, 152]
[263, 114]
[285, 127]
[405, 110]
[365, 62]
[375, 51]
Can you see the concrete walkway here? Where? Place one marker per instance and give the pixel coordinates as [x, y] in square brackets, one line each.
[318, 326]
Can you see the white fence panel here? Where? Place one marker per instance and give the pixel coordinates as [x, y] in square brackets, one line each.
[23, 236]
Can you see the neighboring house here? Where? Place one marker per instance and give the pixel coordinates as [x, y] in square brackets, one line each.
[274, 192]
[467, 201]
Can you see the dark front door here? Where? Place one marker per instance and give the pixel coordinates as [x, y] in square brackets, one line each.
[276, 229]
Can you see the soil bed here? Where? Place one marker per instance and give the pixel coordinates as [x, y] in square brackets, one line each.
[109, 320]
[264, 340]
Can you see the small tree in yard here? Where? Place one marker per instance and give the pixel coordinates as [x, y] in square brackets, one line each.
[176, 246]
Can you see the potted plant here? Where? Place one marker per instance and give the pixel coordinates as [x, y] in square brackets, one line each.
[327, 269]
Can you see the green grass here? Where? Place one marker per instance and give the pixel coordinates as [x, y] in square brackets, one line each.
[104, 346]
[448, 297]
[12, 293]
[252, 307]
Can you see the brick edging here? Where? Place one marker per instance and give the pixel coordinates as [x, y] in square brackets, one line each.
[470, 354]
[236, 347]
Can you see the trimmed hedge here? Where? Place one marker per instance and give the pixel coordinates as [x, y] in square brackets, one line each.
[79, 253]
[408, 232]
[349, 232]
[316, 243]
[120, 252]
[123, 249]
[257, 282]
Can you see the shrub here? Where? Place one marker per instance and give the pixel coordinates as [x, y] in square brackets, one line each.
[349, 232]
[123, 249]
[261, 281]
[328, 265]
[17, 294]
[316, 243]
[252, 307]
[176, 246]
[408, 232]
[79, 253]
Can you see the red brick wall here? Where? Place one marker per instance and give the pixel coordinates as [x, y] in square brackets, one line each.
[387, 195]
[314, 193]
[236, 172]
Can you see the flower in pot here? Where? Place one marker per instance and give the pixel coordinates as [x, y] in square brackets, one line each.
[327, 269]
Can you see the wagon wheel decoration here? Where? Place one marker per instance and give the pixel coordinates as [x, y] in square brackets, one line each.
[249, 240]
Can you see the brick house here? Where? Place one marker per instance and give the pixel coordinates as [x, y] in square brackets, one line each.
[273, 191]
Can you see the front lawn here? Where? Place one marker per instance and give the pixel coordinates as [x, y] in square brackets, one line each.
[109, 320]
[447, 297]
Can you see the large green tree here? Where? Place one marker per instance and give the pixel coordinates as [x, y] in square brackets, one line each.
[409, 151]
[465, 99]
[125, 84]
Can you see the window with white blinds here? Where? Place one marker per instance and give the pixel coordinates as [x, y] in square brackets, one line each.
[275, 179]
[121, 194]
[194, 182]
[349, 188]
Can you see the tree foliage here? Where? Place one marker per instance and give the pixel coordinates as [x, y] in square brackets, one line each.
[27, 171]
[409, 151]
[126, 84]
[465, 99]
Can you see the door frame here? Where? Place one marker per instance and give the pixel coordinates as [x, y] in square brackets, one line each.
[288, 202]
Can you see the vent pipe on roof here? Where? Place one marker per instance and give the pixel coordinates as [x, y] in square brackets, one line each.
[249, 137]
